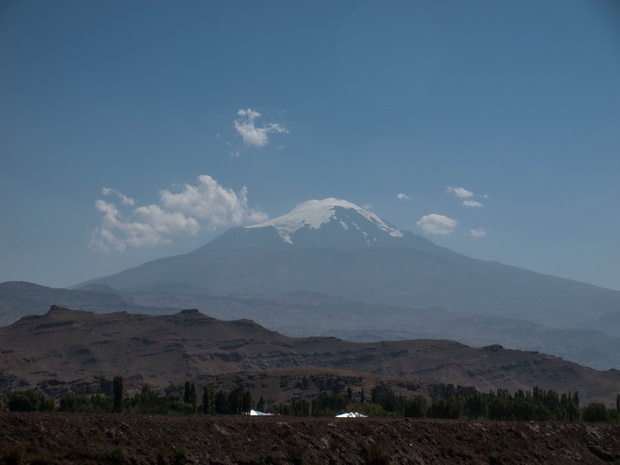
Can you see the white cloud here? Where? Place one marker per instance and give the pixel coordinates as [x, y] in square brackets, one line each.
[460, 192]
[124, 199]
[476, 233]
[215, 205]
[253, 135]
[116, 233]
[463, 193]
[472, 203]
[402, 196]
[437, 224]
[194, 208]
[166, 222]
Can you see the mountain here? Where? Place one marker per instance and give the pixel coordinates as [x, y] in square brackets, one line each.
[336, 248]
[301, 314]
[328, 223]
[18, 299]
[77, 351]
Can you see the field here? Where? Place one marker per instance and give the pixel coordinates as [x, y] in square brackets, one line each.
[58, 438]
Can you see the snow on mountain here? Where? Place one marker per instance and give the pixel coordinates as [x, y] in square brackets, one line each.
[320, 224]
[336, 248]
[313, 214]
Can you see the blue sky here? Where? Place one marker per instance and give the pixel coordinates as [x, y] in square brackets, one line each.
[131, 131]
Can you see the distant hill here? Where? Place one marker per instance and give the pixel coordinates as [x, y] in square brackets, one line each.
[336, 248]
[68, 349]
[302, 314]
[19, 298]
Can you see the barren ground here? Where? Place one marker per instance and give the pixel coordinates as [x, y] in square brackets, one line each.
[57, 438]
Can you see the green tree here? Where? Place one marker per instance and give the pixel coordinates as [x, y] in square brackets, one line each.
[186, 392]
[148, 401]
[283, 409]
[101, 403]
[118, 393]
[75, 403]
[416, 407]
[189, 395]
[239, 400]
[595, 412]
[27, 401]
[220, 403]
[208, 400]
[452, 408]
[385, 397]
[300, 408]
[475, 405]
[329, 405]
[247, 401]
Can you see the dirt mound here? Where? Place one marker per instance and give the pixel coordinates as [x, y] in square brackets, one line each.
[54, 438]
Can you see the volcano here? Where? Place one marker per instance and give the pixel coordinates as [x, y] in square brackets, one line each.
[337, 248]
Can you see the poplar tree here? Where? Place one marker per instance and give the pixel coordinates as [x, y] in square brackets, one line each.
[208, 401]
[117, 386]
[189, 394]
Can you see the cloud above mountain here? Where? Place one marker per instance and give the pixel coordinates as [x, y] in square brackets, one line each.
[253, 135]
[436, 224]
[123, 198]
[459, 192]
[472, 203]
[466, 195]
[205, 205]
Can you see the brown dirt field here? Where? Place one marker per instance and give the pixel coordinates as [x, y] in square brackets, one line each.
[57, 438]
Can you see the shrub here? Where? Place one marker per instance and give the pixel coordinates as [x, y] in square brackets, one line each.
[374, 454]
[28, 401]
[595, 412]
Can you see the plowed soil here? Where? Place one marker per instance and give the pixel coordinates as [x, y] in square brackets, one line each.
[56, 438]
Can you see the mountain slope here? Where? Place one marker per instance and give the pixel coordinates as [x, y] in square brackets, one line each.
[65, 346]
[336, 248]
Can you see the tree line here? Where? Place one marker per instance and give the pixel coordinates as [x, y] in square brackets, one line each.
[447, 402]
[220, 402]
[450, 402]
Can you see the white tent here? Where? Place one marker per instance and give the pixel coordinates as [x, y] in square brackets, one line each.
[351, 415]
[257, 413]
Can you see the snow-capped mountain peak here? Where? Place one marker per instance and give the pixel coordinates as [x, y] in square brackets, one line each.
[319, 224]
[314, 214]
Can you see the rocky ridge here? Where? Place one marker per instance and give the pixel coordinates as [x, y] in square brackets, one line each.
[64, 348]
